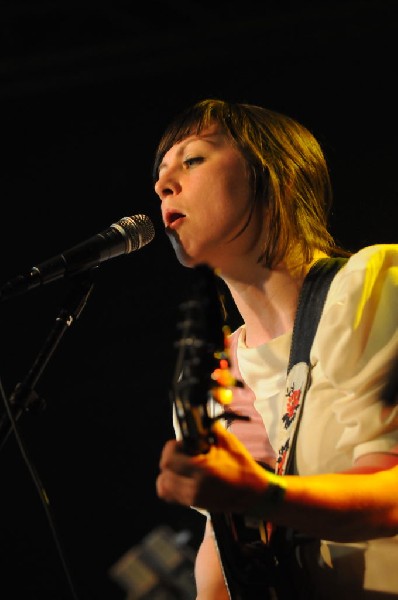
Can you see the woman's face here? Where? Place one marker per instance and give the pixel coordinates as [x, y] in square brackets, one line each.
[206, 200]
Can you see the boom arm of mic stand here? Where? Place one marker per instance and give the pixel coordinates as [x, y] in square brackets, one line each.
[24, 395]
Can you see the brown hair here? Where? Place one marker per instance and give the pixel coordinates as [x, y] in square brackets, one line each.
[289, 174]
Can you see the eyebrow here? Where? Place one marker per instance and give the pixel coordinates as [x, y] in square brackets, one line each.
[209, 137]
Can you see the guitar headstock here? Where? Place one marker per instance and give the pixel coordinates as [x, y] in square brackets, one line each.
[202, 376]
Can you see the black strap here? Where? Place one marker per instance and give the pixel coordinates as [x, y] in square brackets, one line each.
[309, 310]
[311, 301]
[312, 298]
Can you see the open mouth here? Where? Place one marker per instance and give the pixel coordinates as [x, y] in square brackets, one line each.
[173, 217]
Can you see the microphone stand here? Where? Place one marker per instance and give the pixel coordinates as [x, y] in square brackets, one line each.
[24, 396]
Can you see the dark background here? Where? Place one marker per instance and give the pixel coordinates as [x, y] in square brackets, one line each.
[85, 92]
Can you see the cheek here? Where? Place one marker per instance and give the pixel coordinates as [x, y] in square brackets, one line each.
[236, 194]
[223, 197]
[236, 178]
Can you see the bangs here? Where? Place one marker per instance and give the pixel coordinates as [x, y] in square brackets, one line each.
[191, 122]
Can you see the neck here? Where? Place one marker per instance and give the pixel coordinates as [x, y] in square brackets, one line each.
[267, 299]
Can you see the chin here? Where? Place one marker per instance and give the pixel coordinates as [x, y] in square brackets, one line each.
[185, 261]
[182, 257]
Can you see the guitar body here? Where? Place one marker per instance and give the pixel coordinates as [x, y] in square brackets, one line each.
[253, 566]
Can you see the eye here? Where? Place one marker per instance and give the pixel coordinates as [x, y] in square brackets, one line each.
[195, 160]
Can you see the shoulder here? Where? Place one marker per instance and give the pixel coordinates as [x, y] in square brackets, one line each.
[376, 257]
[360, 319]
[367, 273]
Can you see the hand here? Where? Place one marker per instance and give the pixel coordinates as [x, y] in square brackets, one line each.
[226, 479]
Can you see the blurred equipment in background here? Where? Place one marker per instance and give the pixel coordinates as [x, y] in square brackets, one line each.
[160, 568]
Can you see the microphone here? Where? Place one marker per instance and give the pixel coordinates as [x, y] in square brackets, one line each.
[122, 237]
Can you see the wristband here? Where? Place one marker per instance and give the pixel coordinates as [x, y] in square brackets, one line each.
[271, 498]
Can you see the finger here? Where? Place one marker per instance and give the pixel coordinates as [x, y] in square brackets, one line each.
[173, 458]
[174, 488]
[226, 439]
[169, 448]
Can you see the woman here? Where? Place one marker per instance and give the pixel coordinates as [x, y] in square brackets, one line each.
[246, 191]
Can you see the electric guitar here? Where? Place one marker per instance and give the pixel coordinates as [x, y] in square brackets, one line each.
[253, 567]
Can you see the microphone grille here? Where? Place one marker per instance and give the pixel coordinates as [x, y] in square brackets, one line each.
[140, 231]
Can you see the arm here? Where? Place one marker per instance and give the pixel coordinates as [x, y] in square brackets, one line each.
[351, 506]
[342, 507]
[208, 574]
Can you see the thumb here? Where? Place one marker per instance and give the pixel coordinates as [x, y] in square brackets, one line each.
[227, 440]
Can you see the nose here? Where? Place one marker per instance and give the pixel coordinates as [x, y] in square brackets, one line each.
[167, 184]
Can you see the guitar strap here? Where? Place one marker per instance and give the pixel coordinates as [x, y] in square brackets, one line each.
[254, 569]
[309, 310]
